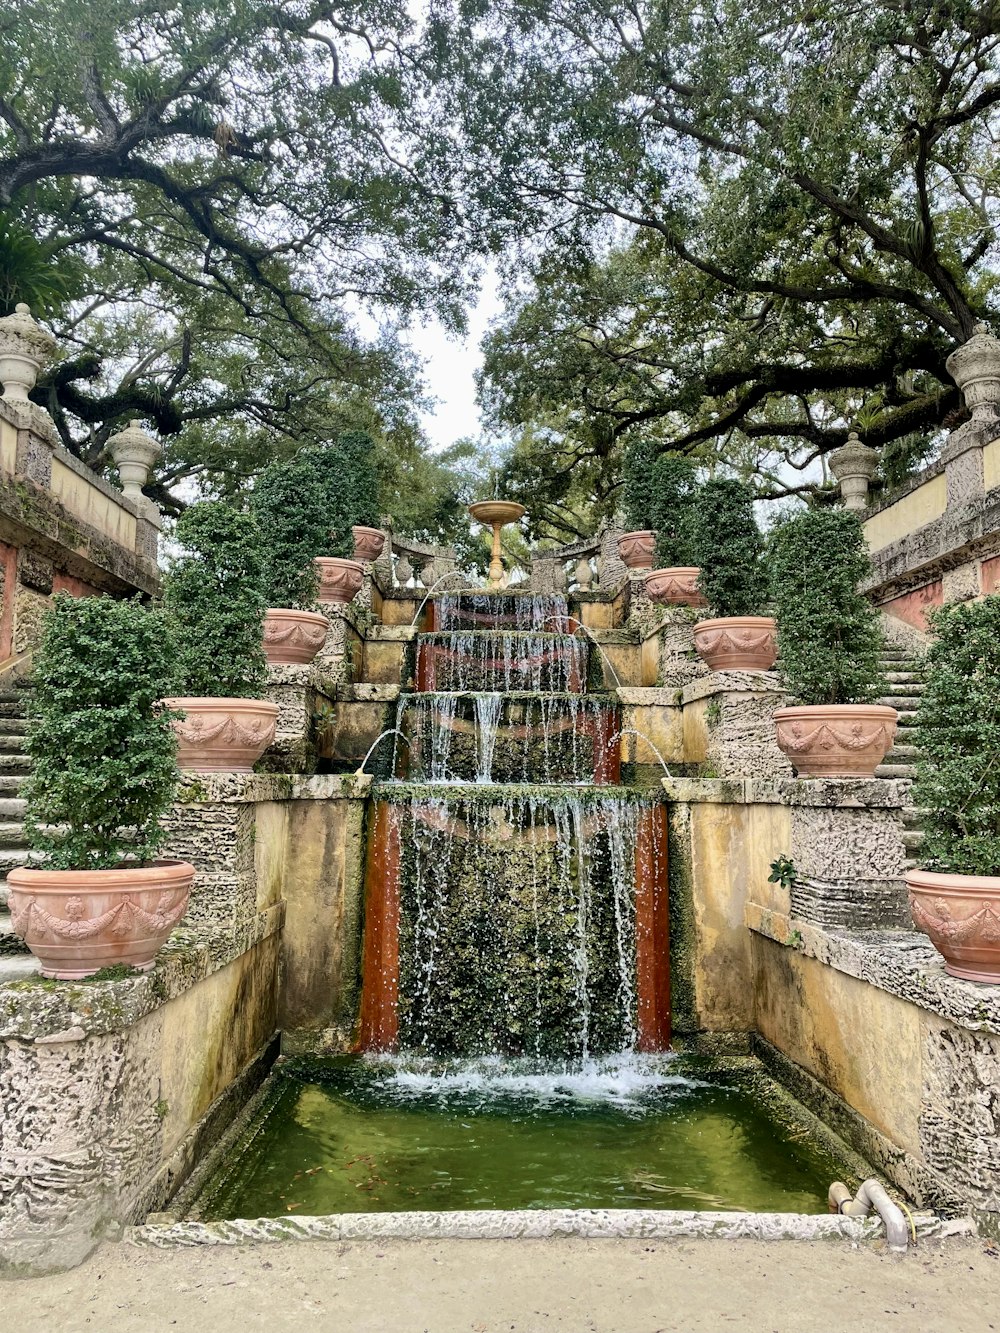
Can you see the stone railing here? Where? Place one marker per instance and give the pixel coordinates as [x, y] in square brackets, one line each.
[590, 565]
[418, 564]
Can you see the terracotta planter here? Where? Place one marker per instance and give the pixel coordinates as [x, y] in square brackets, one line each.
[677, 586]
[836, 740]
[737, 643]
[77, 921]
[961, 914]
[636, 549]
[293, 636]
[339, 580]
[222, 735]
[368, 542]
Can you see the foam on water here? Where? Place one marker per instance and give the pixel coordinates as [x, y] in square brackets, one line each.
[626, 1081]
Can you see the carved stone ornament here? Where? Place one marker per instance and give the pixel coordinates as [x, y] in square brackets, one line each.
[293, 637]
[135, 454]
[25, 350]
[853, 464]
[675, 586]
[975, 368]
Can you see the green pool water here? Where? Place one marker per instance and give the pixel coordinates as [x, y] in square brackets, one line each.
[375, 1136]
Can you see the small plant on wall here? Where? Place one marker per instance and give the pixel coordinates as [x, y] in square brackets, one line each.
[214, 596]
[729, 550]
[830, 642]
[103, 776]
[955, 897]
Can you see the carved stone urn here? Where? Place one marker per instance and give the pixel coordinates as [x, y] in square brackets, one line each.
[25, 350]
[836, 740]
[636, 548]
[135, 455]
[293, 637]
[737, 643]
[368, 542]
[222, 735]
[975, 368]
[340, 580]
[77, 921]
[675, 586]
[961, 915]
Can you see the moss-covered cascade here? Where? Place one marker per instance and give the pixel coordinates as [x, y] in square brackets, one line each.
[517, 920]
[498, 611]
[471, 660]
[508, 737]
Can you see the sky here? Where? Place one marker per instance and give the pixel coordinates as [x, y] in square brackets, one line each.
[450, 365]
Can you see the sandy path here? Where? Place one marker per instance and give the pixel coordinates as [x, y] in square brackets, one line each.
[614, 1286]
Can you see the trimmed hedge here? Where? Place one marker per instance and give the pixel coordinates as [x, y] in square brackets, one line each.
[728, 549]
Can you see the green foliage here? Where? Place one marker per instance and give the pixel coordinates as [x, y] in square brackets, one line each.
[354, 491]
[829, 639]
[958, 732]
[783, 872]
[728, 548]
[293, 520]
[214, 595]
[637, 485]
[30, 271]
[672, 509]
[102, 750]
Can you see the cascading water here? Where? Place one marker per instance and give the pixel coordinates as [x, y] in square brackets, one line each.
[516, 896]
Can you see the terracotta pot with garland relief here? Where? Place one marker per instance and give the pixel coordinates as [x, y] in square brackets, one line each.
[836, 740]
[76, 922]
[737, 643]
[368, 542]
[961, 916]
[222, 735]
[675, 586]
[293, 637]
[340, 580]
[636, 548]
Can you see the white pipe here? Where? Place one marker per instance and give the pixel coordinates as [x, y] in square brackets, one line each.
[872, 1195]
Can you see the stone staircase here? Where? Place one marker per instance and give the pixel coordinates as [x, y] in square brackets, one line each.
[906, 685]
[14, 768]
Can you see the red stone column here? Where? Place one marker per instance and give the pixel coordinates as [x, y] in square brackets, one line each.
[652, 930]
[378, 1028]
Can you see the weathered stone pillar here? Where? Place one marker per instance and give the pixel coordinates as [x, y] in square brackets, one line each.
[975, 368]
[853, 464]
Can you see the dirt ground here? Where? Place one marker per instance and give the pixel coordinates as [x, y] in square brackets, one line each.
[536, 1286]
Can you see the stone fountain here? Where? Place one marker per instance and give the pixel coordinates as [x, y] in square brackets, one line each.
[496, 514]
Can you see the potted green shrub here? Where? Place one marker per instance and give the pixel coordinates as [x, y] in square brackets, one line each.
[675, 577]
[729, 553]
[636, 545]
[955, 897]
[213, 593]
[292, 516]
[103, 775]
[830, 644]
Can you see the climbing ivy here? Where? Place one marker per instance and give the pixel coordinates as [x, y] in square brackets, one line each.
[958, 733]
[728, 548]
[829, 640]
[214, 595]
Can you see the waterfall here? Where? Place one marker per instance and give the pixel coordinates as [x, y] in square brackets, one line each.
[526, 888]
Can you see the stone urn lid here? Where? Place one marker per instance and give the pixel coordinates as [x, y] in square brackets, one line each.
[975, 368]
[25, 349]
[853, 459]
[133, 444]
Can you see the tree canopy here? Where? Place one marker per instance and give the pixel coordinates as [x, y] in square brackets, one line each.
[748, 228]
[200, 197]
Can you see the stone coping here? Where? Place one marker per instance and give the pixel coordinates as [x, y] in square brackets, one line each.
[534, 1224]
[903, 963]
[843, 793]
[735, 682]
[889, 498]
[394, 633]
[230, 788]
[962, 533]
[51, 1012]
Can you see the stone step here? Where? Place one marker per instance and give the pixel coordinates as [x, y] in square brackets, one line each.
[890, 770]
[13, 726]
[14, 763]
[900, 750]
[12, 744]
[11, 834]
[13, 808]
[18, 966]
[10, 783]
[11, 945]
[10, 857]
[900, 701]
[905, 678]
[913, 839]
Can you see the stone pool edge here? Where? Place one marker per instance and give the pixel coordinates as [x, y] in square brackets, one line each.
[533, 1224]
